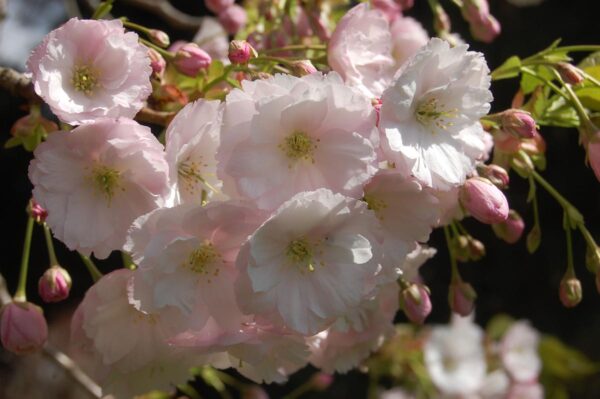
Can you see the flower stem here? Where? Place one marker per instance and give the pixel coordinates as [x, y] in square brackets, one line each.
[574, 100]
[295, 47]
[453, 262]
[50, 245]
[546, 82]
[89, 264]
[570, 265]
[218, 79]
[167, 54]
[21, 295]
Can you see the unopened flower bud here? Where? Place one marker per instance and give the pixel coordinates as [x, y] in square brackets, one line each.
[461, 248]
[476, 249]
[592, 259]
[37, 212]
[484, 201]
[191, 59]
[218, 6]
[494, 173]
[254, 392]
[405, 4]
[54, 285]
[23, 328]
[592, 145]
[321, 381]
[302, 67]
[441, 20]
[158, 37]
[233, 19]
[462, 297]
[240, 52]
[519, 123]
[157, 63]
[511, 229]
[414, 300]
[484, 26]
[569, 73]
[570, 292]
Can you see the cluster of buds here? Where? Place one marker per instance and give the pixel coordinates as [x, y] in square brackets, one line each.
[467, 248]
[483, 25]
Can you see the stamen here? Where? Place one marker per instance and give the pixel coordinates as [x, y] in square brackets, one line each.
[189, 172]
[201, 258]
[429, 111]
[106, 180]
[301, 253]
[299, 145]
[375, 204]
[84, 79]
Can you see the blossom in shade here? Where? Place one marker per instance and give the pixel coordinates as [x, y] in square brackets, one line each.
[519, 352]
[23, 328]
[455, 357]
[233, 18]
[354, 337]
[192, 140]
[360, 50]
[306, 133]
[103, 174]
[186, 257]
[123, 362]
[312, 261]
[405, 210]
[430, 115]
[89, 69]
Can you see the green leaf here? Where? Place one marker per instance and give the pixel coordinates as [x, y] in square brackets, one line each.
[13, 142]
[509, 69]
[529, 83]
[559, 113]
[589, 97]
[103, 8]
[189, 391]
[154, 395]
[563, 362]
[590, 61]
[498, 325]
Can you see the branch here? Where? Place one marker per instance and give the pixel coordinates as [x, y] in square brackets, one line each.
[149, 115]
[17, 84]
[71, 368]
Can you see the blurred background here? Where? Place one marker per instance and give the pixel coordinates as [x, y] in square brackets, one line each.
[508, 280]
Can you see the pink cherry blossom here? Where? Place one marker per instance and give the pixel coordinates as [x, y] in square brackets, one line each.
[103, 174]
[430, 115]
[192, 140]
[408, 36]
[306, 133]
[314, 260]
[89, 69]
[519, 352]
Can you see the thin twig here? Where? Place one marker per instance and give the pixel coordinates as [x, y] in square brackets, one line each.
[73, 370]
[17, 84]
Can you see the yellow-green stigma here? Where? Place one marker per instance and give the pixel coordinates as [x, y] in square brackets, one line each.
[300, 252]
[84, 79]
[429, 111]
[202, 257]
[375, 204]
[106, 180]
[298, 145]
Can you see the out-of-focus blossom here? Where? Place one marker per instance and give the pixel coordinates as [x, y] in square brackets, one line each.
[89, 69]
[408, 36]
[103, 174]
[455, 357]
[233, 19]
[218, 6]
[519, 352]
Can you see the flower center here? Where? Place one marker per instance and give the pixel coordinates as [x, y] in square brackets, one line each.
[301, 253]
[375, 204]
[430, 111]
[84, 79]
[189, 173]
[298, 145]
[106, 180]
[202, 257]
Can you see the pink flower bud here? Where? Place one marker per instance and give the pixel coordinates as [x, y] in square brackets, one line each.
[218, 6]
[176, 46]
[157, 62]
[240, 51]
[484, 201]
[191, 59]
[389, 8]
[519, 123]
[484, 27]
[494, 173]
[54, 285]
[462, 297]
[254, 392]
[321, 381]
[302, 67]
[405, 4]
[511, 229]
[476, 249]
[37, 212]
[233, 19]
[593, 153]
[23, 328]
[569, 73]
[569, 291]
[158, 37]
[414, 300]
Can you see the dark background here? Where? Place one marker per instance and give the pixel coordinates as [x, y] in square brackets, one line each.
[508, 279]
